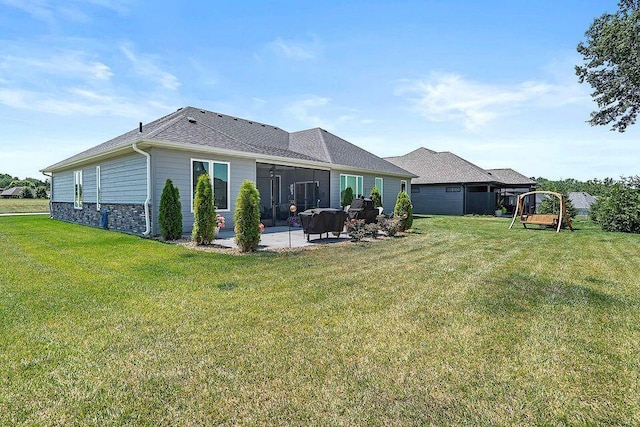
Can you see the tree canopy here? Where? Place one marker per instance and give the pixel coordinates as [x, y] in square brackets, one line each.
[611, 54]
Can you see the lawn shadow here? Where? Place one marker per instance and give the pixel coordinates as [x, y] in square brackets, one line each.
[522, 293]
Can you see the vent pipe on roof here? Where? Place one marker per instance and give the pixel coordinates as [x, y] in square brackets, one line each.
[140, 128]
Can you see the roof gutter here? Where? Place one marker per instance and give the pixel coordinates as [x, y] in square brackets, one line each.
[146, 201]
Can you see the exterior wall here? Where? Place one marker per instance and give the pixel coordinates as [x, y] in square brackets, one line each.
[123, 183]
[128, 218]
[435, 200]
[391, 189]
[176, 165]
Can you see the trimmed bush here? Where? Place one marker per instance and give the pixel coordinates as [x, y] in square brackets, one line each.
[170, 215]
[347, 196]
[375, 196]
[204, 213]
[620, 209]
[404, 210]
[247, 217]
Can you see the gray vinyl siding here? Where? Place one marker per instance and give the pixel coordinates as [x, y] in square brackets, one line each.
[62, 186]
[391, 185]
[123, 180]
[176, 165]
[435, 200]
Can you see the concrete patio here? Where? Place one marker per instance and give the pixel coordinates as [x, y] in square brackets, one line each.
[274, 238]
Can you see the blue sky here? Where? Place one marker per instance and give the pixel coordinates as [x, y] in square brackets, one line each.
[491, 81]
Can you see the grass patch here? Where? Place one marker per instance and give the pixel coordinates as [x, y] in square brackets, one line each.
[24, 206]
[463, 322]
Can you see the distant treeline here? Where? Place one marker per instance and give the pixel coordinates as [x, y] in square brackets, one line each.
[595, 187]
[31, 187]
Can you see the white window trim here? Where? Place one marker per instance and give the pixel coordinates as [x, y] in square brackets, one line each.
[77, 189]
[355, 190]
[98, 188]
[380, 190]
[211, 162]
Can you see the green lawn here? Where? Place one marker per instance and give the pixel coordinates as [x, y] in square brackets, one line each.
[24, 205]
[462, 323]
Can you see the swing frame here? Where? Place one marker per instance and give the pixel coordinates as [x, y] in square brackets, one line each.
[541, 219]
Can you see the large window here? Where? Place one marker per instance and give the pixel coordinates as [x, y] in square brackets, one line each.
[353, 181]
[380, 187]
[98, 188]
[77, 189]
[219, 174]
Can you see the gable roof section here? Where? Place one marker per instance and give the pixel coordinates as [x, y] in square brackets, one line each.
[332, 149]
[441, 168]
[192, 128]
[511, 177]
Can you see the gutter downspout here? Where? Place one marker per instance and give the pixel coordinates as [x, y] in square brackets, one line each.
[51, 196]
[146, 201]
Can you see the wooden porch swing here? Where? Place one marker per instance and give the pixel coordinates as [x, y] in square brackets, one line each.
[548, 220]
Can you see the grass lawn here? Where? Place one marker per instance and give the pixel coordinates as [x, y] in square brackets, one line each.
[462, 323]
[24, 205]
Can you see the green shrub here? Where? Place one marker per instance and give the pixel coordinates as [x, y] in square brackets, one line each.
[41, 193]
[375, 196]
[347, 196]
[170, 215]
[247, 217]
[204, 213]
[404, 210]
[26, 193]
[620, 209]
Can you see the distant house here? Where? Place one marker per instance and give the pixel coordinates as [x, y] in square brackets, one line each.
[126, 175]
[447, 184]
[11, 193]
[582, 202]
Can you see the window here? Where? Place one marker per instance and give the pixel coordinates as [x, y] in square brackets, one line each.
[77, 189]
[380, 187]
[353, 181]
[98, 188]
[403, 185]
[415, 189]
[453, 189]
[219, 181]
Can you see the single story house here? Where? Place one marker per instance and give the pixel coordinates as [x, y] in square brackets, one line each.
[447, 184]
[125, 176]
[582, 202]
[11, 193]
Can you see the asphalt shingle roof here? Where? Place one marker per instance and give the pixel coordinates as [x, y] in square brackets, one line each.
[581, 200]
[511, 177]
[441, 168]
[197, 127]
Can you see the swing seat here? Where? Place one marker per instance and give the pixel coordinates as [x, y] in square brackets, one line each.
[540, 219]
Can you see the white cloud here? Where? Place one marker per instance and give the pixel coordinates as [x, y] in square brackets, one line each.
[306, 110]
[297, 50]
[144, 65]
[450, 97]
[65, 64]
[50, 11]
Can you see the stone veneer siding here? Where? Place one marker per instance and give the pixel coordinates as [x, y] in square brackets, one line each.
[128, 218]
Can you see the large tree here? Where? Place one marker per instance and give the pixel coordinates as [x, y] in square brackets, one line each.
[611, 55]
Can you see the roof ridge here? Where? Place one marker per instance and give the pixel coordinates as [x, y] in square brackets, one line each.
[164, 126]
[324, 144]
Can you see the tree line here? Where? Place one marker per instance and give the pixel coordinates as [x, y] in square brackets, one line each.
[31, 187]
[617, 206]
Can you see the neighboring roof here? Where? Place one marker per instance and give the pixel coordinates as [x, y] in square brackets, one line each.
[581, 200]
[441, 168]
[194, 127]
[11, 192]
[511, 177]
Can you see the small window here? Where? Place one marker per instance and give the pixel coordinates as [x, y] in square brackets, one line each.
[453, 189]
[403, 185]
[353, 181]
[219, 181]
[77, 189]
[98, 188]
[380, 187]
